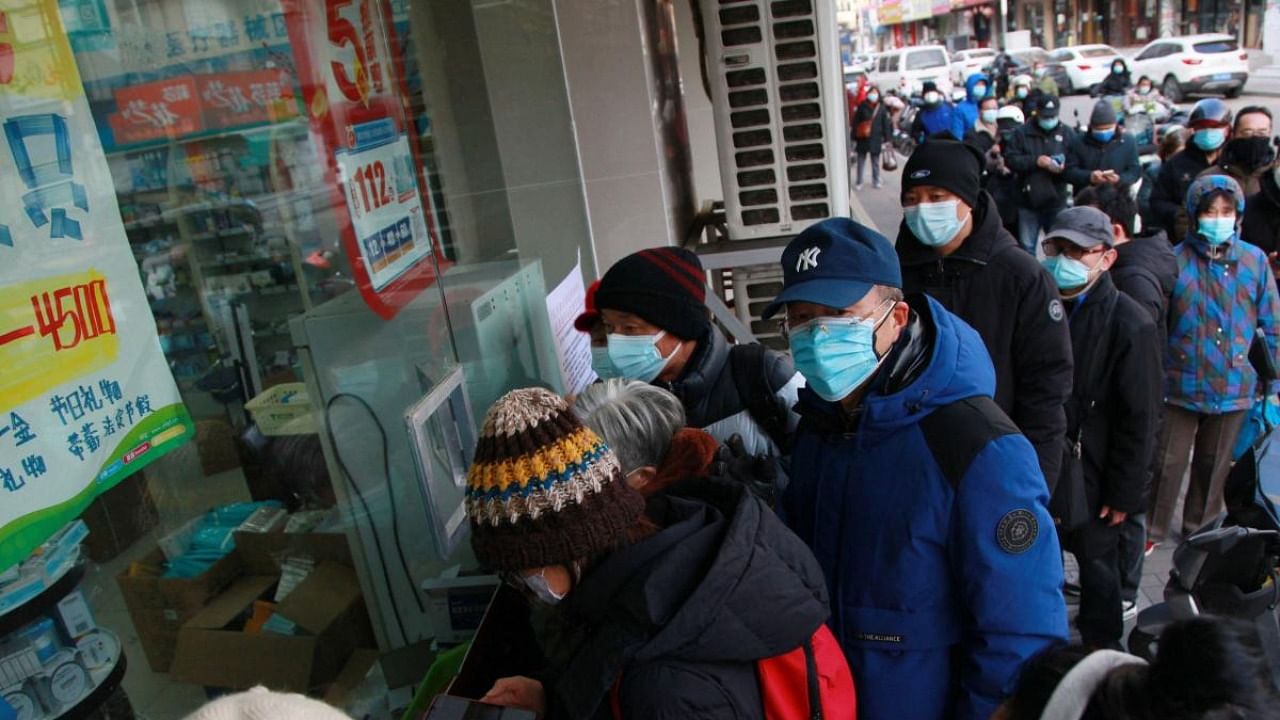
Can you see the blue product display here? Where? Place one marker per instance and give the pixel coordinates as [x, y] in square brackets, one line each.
[213, 538]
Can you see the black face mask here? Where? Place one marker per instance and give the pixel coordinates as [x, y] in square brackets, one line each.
[1251, 153]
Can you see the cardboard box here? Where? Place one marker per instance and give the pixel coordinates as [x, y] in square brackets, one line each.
[328, 608]
[160, 606]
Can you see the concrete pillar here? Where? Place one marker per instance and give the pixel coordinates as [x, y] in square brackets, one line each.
[623, 82]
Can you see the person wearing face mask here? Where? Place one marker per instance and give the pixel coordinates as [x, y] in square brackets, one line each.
[1112, 414]
[1210, 124]
[1106, 155]
[1038, 154]
[1019, 95]
[1045, 85]
[953, 247]
[620, 586]
[1250, 153]
[1145, 98]
[976, 87]
[1117, 82]
[924, 505]
[1260, 212]
[1224, 293]
[1145, 270]
[591, 324]
[660, 332]
[872, 128]
[984, 132]
[1000, 181]
[938, 117]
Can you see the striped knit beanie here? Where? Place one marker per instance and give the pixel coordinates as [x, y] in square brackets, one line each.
[544, 490]
[665, 286]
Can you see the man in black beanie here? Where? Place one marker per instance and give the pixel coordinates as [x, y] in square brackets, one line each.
[1106, 155]
[953, 246]
[653, 306]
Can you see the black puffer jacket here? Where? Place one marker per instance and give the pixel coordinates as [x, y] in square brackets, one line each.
[1146, 271]
[1169, 196]
[1117, 372]
[683, 616]
[710, 394]
[1262, 215]
[1038, 189]
[1086, 154]
[1114, 84]
[1006, 296]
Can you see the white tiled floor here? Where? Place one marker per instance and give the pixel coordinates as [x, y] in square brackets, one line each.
[181, 492]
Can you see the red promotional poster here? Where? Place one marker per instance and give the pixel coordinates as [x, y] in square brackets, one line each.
[166, 109]
[355, 97]
[235, 99]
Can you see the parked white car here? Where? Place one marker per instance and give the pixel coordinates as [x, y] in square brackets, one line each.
[908, 69]
[1194, 65]
[967, 62]
[1085, 65]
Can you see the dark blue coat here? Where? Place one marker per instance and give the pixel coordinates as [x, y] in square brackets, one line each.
[934, 602]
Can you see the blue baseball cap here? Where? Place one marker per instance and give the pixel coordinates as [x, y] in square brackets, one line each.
[835, 263]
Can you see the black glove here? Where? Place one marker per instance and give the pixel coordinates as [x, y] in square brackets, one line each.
[759, 473]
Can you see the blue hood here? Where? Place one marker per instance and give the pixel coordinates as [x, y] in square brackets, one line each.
[971, 83]
[959, 367]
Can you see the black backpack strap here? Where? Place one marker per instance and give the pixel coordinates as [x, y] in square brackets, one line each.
[957, 432]
[749, 366]
[811, 673]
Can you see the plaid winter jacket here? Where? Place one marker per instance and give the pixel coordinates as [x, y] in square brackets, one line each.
[1217, 303]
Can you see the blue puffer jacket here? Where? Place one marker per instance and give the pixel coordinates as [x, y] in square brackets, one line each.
[940, 590]
[968, 109]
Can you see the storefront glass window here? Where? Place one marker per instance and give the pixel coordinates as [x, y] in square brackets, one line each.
[338, 209]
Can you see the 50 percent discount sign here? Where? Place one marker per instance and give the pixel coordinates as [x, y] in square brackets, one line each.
[352, 71]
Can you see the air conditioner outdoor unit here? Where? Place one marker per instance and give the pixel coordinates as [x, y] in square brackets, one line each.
[779, 100]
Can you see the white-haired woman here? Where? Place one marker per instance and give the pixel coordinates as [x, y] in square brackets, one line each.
[645, 426]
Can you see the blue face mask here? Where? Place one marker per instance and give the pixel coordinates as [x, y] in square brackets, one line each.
[989, 117]
[1218, 231]
[873, 97]
[1104, 136]
[935, 224]
[1068, 273]
[1210, 139]
[836, 355]
[1118, 69]
[979, 92]
[1048, 124]
[1021, 93]
[636, 357]
[602, 363]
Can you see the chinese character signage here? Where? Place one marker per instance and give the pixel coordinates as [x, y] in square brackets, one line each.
[236, 99]
[166, 109]
[86, 397]
[355, 97]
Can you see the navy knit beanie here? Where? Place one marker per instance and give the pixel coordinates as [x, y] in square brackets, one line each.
[665, 286]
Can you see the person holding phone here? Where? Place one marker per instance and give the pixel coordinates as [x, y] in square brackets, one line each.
[1106, 155]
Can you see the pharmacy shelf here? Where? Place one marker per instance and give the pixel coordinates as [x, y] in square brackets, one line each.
[42, 604]
[89, 704]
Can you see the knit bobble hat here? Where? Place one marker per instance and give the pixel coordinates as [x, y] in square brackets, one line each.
[665, 286]
[262, 704]
[544, 489]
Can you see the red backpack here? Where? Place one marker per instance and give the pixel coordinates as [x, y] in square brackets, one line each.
[812, 682]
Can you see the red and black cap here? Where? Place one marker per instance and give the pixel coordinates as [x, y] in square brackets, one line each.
[665, 286]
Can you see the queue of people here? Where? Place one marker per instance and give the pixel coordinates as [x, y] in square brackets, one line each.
[873, 524]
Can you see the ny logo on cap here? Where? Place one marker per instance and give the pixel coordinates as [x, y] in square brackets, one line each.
[808, 259]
